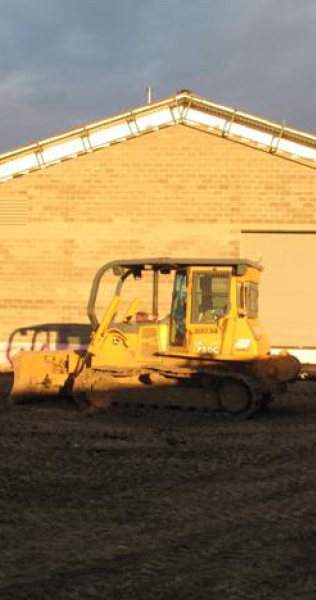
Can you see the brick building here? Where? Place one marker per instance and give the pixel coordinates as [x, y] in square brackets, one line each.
[179, 177]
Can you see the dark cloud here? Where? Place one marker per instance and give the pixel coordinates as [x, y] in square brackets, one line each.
[67, 62]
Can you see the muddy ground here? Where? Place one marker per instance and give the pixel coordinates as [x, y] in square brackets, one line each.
[147, 504]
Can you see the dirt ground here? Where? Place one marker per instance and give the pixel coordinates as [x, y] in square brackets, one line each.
[158, 504]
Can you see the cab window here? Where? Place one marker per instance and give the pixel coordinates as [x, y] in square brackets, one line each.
[247, 298]
[178, 311]
[253, 300]
[210, 296]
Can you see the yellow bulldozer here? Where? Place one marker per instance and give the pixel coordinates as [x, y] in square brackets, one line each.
[210, 347]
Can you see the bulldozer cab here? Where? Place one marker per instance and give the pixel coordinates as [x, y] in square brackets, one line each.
[213, 313]
[201, 297]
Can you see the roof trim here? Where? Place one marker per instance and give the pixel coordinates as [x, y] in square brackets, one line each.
[184, 108]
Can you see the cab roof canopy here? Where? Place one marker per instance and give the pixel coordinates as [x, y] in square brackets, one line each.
[160, 264]
[123, 268]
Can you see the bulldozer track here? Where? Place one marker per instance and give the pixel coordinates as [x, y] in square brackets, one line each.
[100, 388]
[189, 384]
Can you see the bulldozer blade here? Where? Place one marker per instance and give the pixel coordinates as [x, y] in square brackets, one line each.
[38, 374]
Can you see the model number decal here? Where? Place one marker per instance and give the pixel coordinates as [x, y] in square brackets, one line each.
[210, 349]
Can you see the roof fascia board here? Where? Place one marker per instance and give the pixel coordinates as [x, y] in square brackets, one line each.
[195, 100]
[191, 102]
[253, 119]
[94, 125]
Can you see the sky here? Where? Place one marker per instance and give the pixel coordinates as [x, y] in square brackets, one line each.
[65, 63]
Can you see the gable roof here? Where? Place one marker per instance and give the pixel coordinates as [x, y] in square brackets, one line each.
[184, 108]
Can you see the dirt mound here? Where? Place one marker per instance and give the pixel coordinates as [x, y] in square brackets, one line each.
[158, 504]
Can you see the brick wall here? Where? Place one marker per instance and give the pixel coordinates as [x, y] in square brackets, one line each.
[178, 192]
